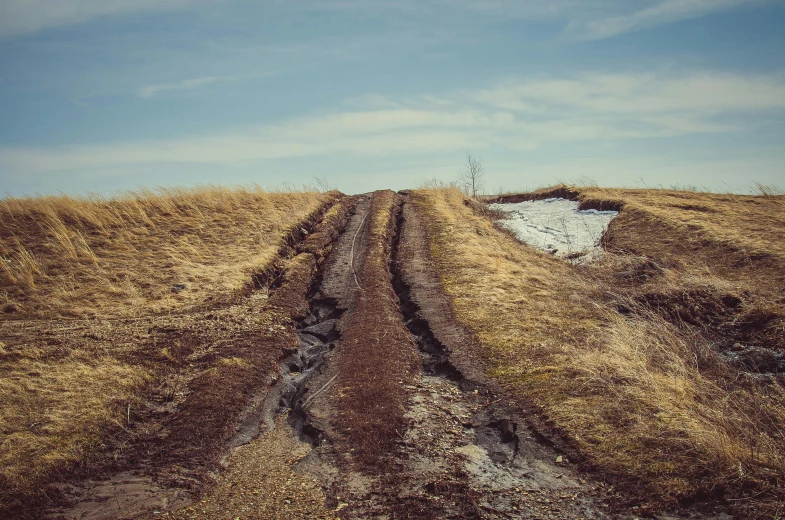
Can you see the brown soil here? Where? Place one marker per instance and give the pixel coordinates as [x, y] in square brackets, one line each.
[260, 483]
[377, 354]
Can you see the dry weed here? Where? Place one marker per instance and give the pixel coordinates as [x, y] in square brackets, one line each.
[53, 413]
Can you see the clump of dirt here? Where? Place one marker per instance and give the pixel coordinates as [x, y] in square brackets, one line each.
[700, 307]
[762, 325]
[561, 192]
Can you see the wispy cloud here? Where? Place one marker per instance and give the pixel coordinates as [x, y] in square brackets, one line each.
[663, 12]
[585, 19]
[697, 93]
[28, 16]
[514, 115]
[188, 84]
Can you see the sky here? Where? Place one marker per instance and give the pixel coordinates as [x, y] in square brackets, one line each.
[100, 96]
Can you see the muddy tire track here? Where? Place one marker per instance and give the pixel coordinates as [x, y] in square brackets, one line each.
[402, 430]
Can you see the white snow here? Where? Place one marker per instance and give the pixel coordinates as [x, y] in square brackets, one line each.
[557, 226]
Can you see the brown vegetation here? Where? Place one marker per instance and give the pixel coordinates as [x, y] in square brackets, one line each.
[154, 377]
[658, 363]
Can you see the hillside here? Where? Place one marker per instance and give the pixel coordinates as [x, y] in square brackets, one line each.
[217, 353]
[115, 311]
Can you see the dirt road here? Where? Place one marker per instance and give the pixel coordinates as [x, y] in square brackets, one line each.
[384, 409]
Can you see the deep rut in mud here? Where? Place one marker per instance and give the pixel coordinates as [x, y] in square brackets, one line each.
[318, 335]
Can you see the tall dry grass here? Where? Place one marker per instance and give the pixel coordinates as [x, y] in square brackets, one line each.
[79, 257]
[643, 398]
[72, 377]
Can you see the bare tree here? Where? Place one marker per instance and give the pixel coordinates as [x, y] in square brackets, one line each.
[471, 177]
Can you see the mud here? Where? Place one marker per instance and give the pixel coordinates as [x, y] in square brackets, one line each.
[260, 483]
[126, 495]
[455, 453]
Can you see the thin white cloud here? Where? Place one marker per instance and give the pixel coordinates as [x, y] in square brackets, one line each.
[27, 16]
[585, 19]
[703, 93]
[19, 17]
[188, 84]
[516, 116]
[663, 12]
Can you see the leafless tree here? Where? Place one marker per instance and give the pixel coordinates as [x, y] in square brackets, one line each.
[471, 176]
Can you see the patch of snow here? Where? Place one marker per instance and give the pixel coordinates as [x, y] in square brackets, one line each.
[557, 226]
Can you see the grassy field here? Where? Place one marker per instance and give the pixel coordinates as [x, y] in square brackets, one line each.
[106, 302]
[653, 362]
[64, 257]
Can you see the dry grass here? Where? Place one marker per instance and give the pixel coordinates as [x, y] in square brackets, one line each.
[53, 413]
[87, 257]
[753, 224]
[90, 325]
[644, 394]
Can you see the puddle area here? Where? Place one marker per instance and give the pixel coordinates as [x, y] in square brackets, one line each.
[557, 226]
[126, 495]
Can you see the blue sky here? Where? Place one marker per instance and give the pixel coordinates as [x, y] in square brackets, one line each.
[107, 95]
